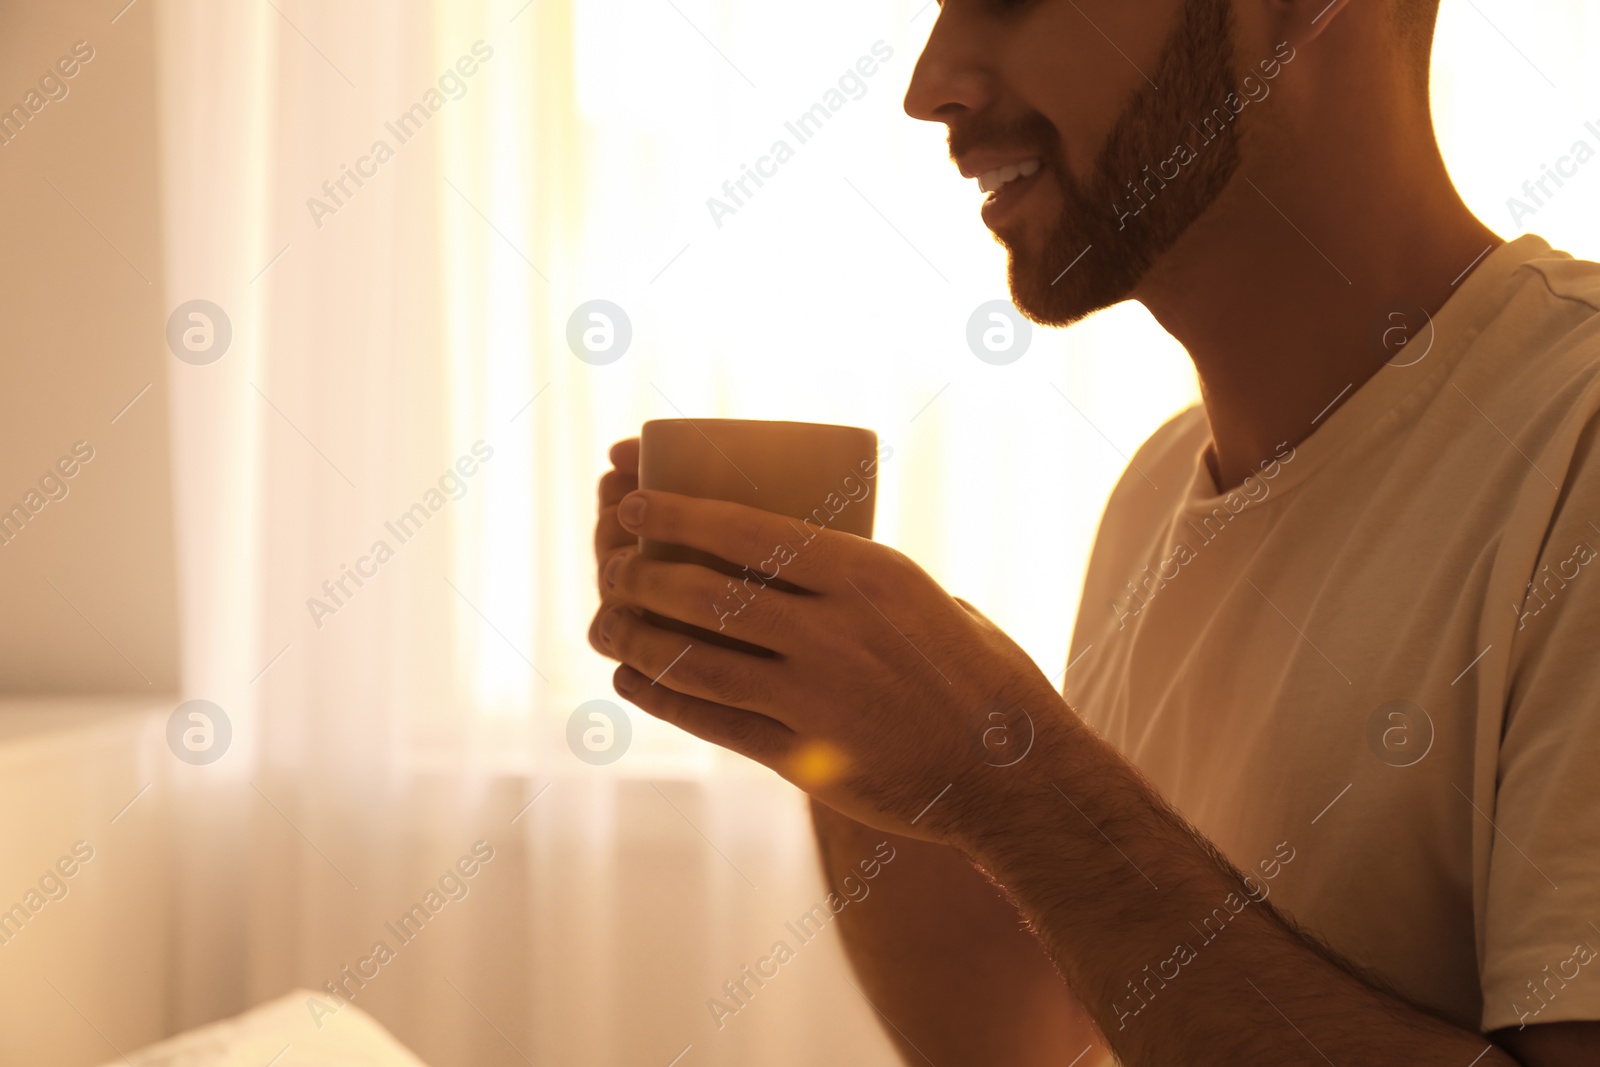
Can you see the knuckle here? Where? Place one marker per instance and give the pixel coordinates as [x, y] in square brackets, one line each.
[752, 533]
[897, 561]
[652, 580]
[755, 607]
[871, 582]
[604, 576]
[886, 571]
[748, 734]
[819, 549]
[728, 686]
[772, 618]
[617, 574]
[884, 576]
[624, 636]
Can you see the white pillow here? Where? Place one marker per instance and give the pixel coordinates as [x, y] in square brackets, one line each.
[283, 1033]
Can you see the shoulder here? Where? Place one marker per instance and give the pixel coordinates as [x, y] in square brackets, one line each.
[1161, 470]
[1556, 315]
[1539, 375]
[1550, 318]
[1150, 491]
[1533, 368]
[1137, 514]
[1184, 434]
[1569, 281]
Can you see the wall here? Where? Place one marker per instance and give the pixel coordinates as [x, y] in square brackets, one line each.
[86, 566]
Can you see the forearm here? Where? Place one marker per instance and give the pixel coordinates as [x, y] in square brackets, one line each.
[944, 959]
[1113, 884]
[885, 678]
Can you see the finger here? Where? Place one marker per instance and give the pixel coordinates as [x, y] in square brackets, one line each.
[609, 539]
[805, 553]
[747, 609]
[595, 641]
[609, 535]
[625, 455]
[695, 668]
[613, 486]
[616, 484]
[745, 732]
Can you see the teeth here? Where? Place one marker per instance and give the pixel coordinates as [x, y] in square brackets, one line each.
[994, 179]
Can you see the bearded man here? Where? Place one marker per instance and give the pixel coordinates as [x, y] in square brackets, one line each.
[1320, 788]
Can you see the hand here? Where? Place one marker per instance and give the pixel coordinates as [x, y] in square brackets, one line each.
[609, 536]
[884, 693]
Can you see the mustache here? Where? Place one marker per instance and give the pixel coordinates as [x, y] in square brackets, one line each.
[1030, 132]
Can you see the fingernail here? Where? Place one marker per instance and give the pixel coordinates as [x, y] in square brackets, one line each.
[631, 511]
[613, 568]
[608, 624]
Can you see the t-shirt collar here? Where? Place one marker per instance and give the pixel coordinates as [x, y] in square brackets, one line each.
[1379, 402]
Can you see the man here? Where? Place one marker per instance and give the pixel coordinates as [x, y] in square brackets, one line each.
[1324, 791]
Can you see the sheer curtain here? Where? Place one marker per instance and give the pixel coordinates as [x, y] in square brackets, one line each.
[400, 374]
[385, 492]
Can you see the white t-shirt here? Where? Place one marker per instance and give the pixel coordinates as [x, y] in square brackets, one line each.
[1343, 661]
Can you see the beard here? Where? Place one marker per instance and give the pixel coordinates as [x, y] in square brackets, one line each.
[1126, 214]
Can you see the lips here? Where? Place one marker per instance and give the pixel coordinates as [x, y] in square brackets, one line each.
[1007, 199]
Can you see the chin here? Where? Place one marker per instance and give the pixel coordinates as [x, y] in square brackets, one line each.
[1049, 297]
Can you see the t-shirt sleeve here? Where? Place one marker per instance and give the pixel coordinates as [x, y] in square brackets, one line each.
[1542, 914]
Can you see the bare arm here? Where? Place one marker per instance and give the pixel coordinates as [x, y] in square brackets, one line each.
[1107, 876]
[1110, 878]
[945, 959]
[940, 953]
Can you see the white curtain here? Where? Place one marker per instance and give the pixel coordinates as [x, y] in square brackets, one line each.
[394, 324]
[394, 707]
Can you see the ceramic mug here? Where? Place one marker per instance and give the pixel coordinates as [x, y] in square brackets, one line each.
[821, 476]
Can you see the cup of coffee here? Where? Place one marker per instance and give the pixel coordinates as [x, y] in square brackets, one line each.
[822, 477]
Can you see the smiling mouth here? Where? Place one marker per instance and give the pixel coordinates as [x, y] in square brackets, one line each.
[1008, 191]
[993, 181]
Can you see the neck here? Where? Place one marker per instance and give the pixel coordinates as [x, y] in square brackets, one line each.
[1281, 290]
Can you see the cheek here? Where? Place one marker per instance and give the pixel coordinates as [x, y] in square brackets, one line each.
[1079, 65]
